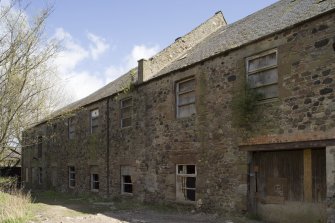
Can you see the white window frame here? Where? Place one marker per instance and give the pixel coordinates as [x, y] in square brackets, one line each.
[125, 107]
[185, 175]
[254, 72]
[94, 114]
[70, 179]
[95, 181]
[123, 183]
[178, 93]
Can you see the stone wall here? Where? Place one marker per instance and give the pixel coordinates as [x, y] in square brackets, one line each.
[157, 141]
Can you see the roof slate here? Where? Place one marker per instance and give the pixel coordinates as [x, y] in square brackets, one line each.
[276, 17]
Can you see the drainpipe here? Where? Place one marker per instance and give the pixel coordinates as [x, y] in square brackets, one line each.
[107, 147]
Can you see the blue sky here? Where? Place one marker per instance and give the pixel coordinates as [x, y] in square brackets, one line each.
[103, 39]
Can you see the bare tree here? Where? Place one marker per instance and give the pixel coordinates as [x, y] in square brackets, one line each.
[27, 76]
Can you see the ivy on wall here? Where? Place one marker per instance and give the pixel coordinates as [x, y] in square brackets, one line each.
[246, 108]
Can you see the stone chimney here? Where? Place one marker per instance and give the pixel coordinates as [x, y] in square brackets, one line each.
[148, 68]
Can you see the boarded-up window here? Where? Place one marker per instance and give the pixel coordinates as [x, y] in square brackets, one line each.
[290, 175]
[185, 98]
[126, 112]
[71, 128]
[72, 176]
[39, 146]
[94, 120]
[186, 182]
[262, 74]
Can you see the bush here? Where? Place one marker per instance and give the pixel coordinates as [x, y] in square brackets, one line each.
[8, 184]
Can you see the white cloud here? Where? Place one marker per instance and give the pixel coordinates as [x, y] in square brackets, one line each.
[71, 54]
[80, 81]
[130, 61]
[98, 47]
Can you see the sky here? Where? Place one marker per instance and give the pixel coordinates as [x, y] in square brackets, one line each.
[101, 40]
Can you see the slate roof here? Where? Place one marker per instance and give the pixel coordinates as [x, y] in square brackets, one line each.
[269, 20]
[276, 17]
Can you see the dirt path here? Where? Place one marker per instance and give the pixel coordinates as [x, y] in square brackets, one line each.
[47, 213]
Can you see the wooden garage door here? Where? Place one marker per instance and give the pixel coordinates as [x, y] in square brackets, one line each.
[293, 175]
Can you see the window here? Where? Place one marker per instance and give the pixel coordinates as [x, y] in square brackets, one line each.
[185, 98]
[71, 128]
[95, 182]
[53, 133]
[39, 146]
[40, 180]
[262, 74]
[186, 182]
[127, 185]
[72, 176]
[27, 174]
[126, 112]
[94, 120]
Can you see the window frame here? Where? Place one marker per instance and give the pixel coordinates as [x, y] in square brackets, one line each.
[71, 127]
[40, 175]
[69, 175]
[27, 174]
[186, 175]
[39, 146]
[265, 68]
[178, 93]
[123, 183]
[126, 107]
[93, 119]
[95, 181]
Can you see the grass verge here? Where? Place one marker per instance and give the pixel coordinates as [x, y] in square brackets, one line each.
[15, 207]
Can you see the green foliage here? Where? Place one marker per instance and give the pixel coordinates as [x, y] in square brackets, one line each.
[8, 183]
[246, 109]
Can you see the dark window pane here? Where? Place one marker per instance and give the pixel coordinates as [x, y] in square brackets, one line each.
[39, 147]
[96, 185]
[95, 177]
[190, 195]
[127, 179]
[190, 169]
[180, 168]
[126, 112]
[126, 122]
[126, 103]
[190, 182]
[128, 188]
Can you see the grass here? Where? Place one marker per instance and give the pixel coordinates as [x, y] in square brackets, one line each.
[15, 207]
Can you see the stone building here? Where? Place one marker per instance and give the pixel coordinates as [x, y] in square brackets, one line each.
[232, 117]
